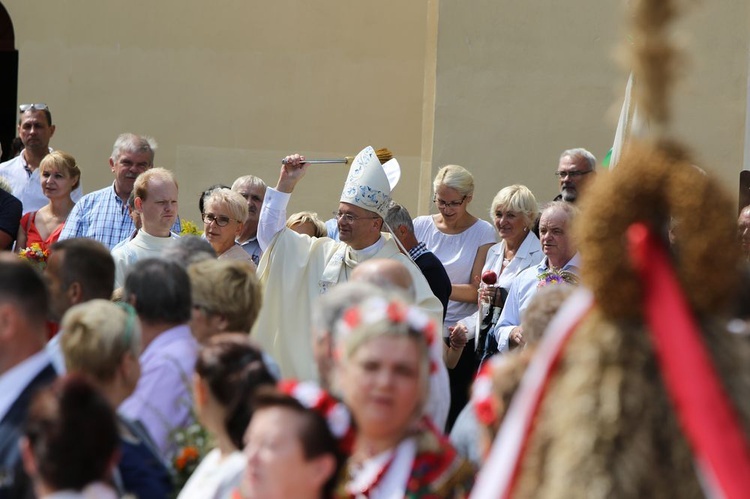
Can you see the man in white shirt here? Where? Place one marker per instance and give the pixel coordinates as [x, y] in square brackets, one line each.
[156, 203]
[561, 254]
[35, 129]
[24, 364]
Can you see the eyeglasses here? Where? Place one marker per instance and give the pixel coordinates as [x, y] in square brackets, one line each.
[445, 204]
[349, 218]
[220, 220]
[571, 174]
[33, 107]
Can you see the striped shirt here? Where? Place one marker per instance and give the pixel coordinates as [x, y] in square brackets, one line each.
[417, 251]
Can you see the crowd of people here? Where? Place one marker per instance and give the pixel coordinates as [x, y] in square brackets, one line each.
[370, 355]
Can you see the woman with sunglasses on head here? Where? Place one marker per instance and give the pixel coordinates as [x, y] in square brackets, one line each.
[224, 213]
[59, 176]
[102, 341]
[460, 241]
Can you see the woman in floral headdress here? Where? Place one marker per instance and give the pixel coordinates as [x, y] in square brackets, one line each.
[60, 175]
[385, 360]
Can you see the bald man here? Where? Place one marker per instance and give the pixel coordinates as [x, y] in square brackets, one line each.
[385, 273]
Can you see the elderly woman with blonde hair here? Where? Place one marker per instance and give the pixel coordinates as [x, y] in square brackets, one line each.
[514, 211]
[224, 214]
[102, 341]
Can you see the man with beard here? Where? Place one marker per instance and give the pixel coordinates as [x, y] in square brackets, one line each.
[573, 173]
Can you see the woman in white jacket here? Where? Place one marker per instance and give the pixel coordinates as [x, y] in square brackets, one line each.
[514, 211]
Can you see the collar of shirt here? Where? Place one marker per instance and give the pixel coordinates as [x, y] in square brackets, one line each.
[573, 264]
[162, 341]
[418, 250]
[17, 378]
[367, 253]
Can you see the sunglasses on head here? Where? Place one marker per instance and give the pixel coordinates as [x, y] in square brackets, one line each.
[33, 107]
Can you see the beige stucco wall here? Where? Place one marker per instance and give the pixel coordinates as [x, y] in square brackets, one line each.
[228, 88]
[519, 82]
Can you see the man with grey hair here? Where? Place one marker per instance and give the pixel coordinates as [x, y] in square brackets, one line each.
[103, 215]
[400, 222]
[561, 263]
[573, 171]
[253, 189]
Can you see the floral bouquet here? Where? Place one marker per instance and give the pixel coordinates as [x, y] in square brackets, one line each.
[190, 229]
[556, 276]
[35, 255]
[193, 443]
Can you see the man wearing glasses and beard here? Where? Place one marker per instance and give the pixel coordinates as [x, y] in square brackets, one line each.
[574, 171]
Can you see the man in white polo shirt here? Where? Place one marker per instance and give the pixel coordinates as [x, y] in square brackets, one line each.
[35, 129]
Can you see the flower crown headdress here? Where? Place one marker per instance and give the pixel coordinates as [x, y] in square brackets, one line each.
[380, 310]
[336, 414]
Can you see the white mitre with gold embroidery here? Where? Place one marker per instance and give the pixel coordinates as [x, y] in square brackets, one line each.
[369, 184]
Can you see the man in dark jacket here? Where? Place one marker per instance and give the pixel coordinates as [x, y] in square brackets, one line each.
[24, 364]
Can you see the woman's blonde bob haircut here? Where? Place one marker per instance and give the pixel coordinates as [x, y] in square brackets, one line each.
[233, 201]
[65, 163]
[518, 199]
[228, 288]
[96, 335]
